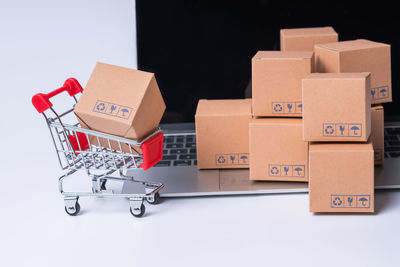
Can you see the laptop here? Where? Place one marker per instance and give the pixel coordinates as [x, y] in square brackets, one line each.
[201, 50]
[178, 169]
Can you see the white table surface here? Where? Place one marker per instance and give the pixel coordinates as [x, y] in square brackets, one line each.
[43, 43]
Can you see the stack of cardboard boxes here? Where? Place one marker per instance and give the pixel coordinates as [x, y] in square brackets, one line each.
[309, 120]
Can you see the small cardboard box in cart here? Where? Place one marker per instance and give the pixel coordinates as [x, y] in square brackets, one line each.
[120, 101]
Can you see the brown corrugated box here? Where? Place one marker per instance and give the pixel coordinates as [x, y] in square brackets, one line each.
[276, 82]
[337, 107]
[377, 133]
[277, 149]
[222, 133]
[359, 56]
[120, 101]
[304, 39]
[341, 177]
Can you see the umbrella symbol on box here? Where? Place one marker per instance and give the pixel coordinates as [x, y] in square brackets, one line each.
[124, 110]
[300, 106]
[363, 201]
[298, 170]
[383, 91]
[244, 158]
[355, 129]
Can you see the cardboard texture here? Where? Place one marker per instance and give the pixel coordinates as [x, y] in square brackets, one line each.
[304, 39]
[377, 133]
[222, 133]
[359, 56]
[276, 82]
[341, 177]
[277, 149]
[337, 107]
[120, 101]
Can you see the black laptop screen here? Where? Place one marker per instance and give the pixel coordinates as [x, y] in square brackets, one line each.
[203, 49]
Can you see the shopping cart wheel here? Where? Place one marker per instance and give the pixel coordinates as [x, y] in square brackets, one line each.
[138, 212]
[153, 199]
[73, 210]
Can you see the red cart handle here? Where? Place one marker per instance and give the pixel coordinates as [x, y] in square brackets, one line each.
[152, 151]
[42, 101]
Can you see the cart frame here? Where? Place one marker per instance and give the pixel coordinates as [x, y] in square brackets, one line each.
[102, 156]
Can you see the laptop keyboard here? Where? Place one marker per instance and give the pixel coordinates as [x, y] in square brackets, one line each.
[180, 150]
[392, 142]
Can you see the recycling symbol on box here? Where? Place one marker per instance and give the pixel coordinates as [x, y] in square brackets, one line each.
[329, 129]
[278, 107]
[274, 170]
[337, 201]
[101, 107]
[221, 159]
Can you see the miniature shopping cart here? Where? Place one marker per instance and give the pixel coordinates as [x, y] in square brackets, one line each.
[103, 156]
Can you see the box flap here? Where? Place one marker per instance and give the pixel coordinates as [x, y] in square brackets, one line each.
[277, 121]
[308, 31]
[352, 45]
[337, 146]
[341, 76]
[260, 55]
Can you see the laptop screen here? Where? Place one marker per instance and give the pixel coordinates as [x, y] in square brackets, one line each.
[203, 49]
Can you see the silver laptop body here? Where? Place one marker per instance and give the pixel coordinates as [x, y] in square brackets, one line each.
[178, 169]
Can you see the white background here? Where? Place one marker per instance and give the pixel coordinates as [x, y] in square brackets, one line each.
[44, 42]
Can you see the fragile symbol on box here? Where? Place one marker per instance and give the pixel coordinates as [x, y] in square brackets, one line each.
[294, 107]
[380, 92]
[279, 170]
[350, 201]
[232, 159]
[112, 109]
[342, 129]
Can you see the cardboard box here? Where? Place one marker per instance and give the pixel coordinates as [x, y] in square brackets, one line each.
[378, 133]
[337, 107]
[276, 82]
[277, 150]
[304, 39]
[359, 56]
[120, 101]
[222, 133]
[341, 177]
